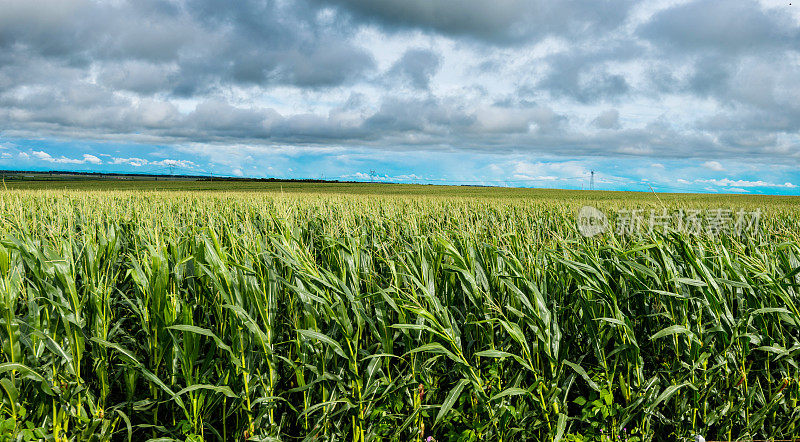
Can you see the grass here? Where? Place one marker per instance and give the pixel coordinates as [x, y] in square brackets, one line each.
[326, 312]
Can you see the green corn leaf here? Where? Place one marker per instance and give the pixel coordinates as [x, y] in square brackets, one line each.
[450, 400]
[511, 391]
[582, 373]
[324, 338]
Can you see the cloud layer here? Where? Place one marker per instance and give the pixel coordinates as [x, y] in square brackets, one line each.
[613, 78]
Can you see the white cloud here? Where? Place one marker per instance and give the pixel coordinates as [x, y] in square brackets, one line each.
[713, 165]
[361, 176]
[6, 155]
[91, 159]
[542, 171]
[135, 162]
[183, 164]
[725, 182]
[44, 156]
[139, 162]
[237, 172]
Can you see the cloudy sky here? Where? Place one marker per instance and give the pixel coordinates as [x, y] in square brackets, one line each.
[674, 95]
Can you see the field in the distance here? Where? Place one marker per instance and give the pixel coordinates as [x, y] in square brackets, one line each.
[178, 310]
[391, 189]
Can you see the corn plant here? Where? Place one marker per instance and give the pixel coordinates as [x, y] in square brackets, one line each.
[316, 316]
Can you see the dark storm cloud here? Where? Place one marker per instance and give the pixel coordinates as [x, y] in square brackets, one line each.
[740, 55]
[139, 76]
[222, 119]
[737, 53]
[79, 31]
[417, 66]
[596, 84]
[731, 26]
[440, 121]
[149, 46]
[428, 116]
[710, 77]
[498, 21]
[584, 74]
[607, 119]
[326, 65]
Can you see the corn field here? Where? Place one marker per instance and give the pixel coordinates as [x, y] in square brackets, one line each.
[249, 316]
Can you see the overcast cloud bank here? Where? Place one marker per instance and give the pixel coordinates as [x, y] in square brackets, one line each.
[698, 81]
